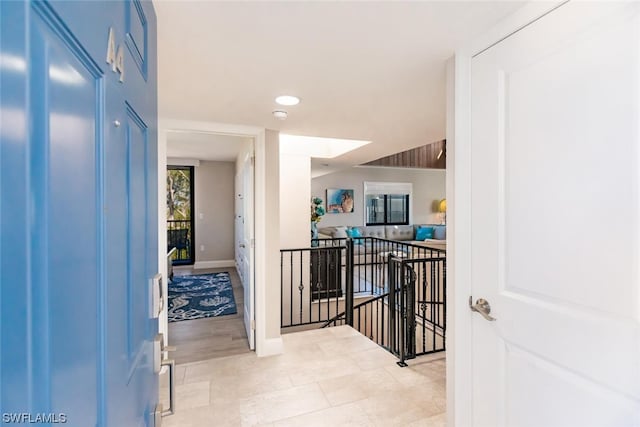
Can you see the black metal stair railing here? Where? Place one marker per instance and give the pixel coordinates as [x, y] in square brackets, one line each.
[401, 290]
[410, 319]
[369, 257]
[430, 303]
[365, 317]
[421, 304]
[312, 284]
[402, 308]
[380, 319]
[180, 237]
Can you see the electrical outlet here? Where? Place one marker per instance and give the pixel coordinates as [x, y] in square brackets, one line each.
[201, 248]
[201, 215]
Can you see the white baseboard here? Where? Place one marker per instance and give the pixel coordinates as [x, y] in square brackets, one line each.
[225, 263]
[269, 347]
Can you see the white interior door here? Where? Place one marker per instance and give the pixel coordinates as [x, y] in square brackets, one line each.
[239, 224]
[244, 240]
[555, 221]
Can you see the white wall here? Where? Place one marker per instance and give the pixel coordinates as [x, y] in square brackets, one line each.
[268, 336]
[456, 365]
[295, 221]
[295, 196]
[428, 187]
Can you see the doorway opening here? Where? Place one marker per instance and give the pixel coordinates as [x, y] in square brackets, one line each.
[180, 218]
[210, 189]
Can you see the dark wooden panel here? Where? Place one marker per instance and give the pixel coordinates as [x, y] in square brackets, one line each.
[425, 157]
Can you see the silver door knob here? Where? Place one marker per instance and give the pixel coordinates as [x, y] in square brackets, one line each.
[481, 306]
[242, 245]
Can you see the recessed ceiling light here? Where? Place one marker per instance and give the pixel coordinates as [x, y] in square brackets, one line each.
[288, 100]
[279, 114]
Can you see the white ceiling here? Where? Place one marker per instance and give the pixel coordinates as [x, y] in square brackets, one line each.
[205, 146]
[364, 70]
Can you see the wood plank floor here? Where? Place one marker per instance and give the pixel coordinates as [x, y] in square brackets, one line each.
[203, 339]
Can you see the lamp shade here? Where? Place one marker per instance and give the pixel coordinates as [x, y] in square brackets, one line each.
[442, 206]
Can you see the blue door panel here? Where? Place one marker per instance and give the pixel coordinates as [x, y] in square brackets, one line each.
[89, 21]
[138, 328]
[78, 213]
[137, 295]
[140, 79]
[14, 277]
[137, 34]
[116, 253]
[65, 263]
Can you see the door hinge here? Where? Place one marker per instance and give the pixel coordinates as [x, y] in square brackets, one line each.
[253, 243]
[253, 160]
[253, 324]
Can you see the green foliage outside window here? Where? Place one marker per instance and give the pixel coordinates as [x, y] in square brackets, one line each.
[178, 194]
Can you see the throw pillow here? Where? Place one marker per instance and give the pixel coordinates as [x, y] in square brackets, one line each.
[340, 233]
[440, 232]
[355, 232]
[424, 233]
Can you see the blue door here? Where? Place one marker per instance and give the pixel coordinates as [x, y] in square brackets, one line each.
[78, 212]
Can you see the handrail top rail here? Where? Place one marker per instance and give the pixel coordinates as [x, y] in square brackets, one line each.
[347, 239]
[402, 242]
[316, 248]
[417, 260]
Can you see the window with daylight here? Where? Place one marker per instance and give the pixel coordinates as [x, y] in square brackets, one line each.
[180, 207]
[387, 203]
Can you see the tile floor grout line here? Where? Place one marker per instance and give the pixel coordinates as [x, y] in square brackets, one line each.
[320, 410]
[411, 378]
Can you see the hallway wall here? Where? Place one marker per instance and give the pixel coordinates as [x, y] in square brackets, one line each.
[214, 210]
[428, 188]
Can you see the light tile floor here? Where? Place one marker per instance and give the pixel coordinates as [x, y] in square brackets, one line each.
[326, 377]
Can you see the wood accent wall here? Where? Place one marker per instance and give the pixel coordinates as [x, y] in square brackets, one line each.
[425, 157]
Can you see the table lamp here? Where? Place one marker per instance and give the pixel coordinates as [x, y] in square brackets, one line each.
[442, 208]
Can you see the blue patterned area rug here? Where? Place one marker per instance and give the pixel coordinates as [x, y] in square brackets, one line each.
[205, 295]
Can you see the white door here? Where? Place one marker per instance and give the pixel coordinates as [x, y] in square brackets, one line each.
[239, 224]
[244, 240]
[555, 221]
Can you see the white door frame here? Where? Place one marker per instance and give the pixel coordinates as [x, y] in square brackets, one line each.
[459, 348]
[263, 345]
[245, 251]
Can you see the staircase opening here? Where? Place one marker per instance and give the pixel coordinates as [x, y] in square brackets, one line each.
[392, 292]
